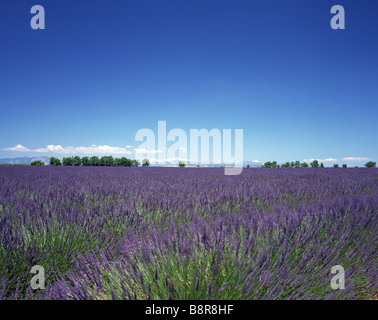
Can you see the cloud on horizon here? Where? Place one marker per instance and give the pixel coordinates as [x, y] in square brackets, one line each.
[322, 160]
[144, 150]
[355, 159]
[342, 159]
[19, 147]
[93, 149]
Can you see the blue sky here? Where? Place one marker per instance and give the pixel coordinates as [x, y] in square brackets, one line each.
[102, 70]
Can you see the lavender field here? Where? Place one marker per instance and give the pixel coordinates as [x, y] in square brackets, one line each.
[188, 233]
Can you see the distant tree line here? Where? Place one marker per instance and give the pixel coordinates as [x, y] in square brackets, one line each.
[296, 164]
[109, 161]
[37, 163]
[105, 161]
[313, 164]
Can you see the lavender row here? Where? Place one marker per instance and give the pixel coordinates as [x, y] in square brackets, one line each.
[187, 233]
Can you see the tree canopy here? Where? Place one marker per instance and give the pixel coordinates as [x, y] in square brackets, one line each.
[55, 161]
[314, 164]
[146, 163]
[37, 163]
[370, 164]
[105, 161]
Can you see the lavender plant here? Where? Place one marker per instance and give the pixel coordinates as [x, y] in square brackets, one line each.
[187, 233]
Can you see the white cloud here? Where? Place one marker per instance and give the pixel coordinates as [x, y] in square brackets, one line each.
[343, 159]
[51, 148]
[355, 159]
[144, 150]
[19, 147]
[322, 160]
[329, 160]
[103, 149]
[256, 161]
[167, 160]
[93, 149]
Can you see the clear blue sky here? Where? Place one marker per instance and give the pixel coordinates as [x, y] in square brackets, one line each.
[101, 70]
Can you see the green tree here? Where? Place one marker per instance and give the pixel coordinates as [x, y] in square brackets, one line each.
[76, 161]
[292, 164]
[181, 164]
[146, 163]
[85, 161]
[304, 165]
[107, 161]
[125, 162]
[67, 161]
[297, 164]
[286, 165]
[247, 166]
[117, 162]
[322, 165]
[267, 164]
[335, 165]
[110, 161]
[344, 165]
[135, 163]
[94, 161]
[370, 164]
[37, 163]
[55, 161]
[314, 164]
